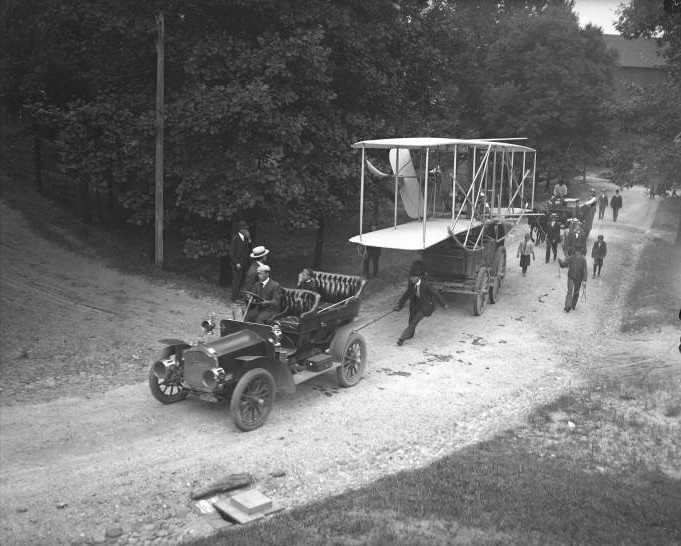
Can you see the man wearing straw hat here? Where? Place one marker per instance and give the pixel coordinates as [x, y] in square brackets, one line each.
[259, 257]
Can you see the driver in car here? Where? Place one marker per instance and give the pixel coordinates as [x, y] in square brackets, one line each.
[267, 304]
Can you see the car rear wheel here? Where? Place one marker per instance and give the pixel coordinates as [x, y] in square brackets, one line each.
[169, 389]
[353, 362]
[252, 399]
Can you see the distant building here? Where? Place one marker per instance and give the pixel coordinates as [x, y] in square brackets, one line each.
[639, 62]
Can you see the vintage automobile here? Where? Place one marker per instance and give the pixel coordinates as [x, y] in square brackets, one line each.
[249, 363]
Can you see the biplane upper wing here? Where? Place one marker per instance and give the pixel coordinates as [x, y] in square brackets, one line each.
[409, 236]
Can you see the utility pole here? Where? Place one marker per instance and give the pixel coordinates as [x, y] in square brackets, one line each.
[158, 197]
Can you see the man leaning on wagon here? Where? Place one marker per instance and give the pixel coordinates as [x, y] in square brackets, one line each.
[560, 191]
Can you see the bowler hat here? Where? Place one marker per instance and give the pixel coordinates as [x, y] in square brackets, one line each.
[259, 252]
[416, 269]
[241, 225]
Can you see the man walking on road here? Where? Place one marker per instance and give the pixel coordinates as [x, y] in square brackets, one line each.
[577, 275]
[602, 205]
[598, 252]
[616, 204]
[552, 237]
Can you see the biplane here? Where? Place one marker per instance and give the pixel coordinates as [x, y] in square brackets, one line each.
[455, 202]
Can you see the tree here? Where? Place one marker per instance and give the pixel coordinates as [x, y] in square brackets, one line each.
[550, 81]
[653, 113]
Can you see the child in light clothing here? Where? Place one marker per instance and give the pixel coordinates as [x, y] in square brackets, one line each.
[525, 250]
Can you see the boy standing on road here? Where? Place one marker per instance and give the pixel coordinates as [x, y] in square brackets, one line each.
[616, 204]
[577, 275]
[598, 252]
[525, 250]
[420, 297]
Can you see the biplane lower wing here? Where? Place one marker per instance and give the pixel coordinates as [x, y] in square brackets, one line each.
[508, 212]
[409, 236]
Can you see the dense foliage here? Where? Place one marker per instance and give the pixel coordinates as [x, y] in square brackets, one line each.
[264, 97]
[653, 113]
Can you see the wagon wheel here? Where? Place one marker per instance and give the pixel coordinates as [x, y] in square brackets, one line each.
[169, 389]
[499, 270]
[353, 362]
[481, 285]
[252, 399]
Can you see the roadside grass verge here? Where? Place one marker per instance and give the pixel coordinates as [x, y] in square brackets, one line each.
[593, 468]
[655, 297]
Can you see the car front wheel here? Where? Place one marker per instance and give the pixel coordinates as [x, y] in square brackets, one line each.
[252, 399]
[169, 389]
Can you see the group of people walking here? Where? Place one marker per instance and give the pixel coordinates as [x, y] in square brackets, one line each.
[574, 247]
[615, 204]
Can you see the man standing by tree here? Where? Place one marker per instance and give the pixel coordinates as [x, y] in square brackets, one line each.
[239, 247]
[577, 275]
[602, 205]
[616, 204]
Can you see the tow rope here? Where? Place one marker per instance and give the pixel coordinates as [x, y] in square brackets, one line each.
[375, 320]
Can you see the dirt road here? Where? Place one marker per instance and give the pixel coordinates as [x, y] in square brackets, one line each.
[85, 448]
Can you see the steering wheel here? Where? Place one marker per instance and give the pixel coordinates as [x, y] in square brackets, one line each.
[255, 298]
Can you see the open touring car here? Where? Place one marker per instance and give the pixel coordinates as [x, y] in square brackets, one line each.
[249, 363]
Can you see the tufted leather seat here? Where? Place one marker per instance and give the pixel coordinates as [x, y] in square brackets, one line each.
[295, 303]
[334, 287]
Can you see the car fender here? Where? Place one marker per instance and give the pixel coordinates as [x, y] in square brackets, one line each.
[283, 379]
[172, 346]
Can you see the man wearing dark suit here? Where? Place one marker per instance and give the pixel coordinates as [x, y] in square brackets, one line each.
[602, 205]
[616, 204]
[239, 248]
[270, 293]
[420, 297]
[552, 237]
